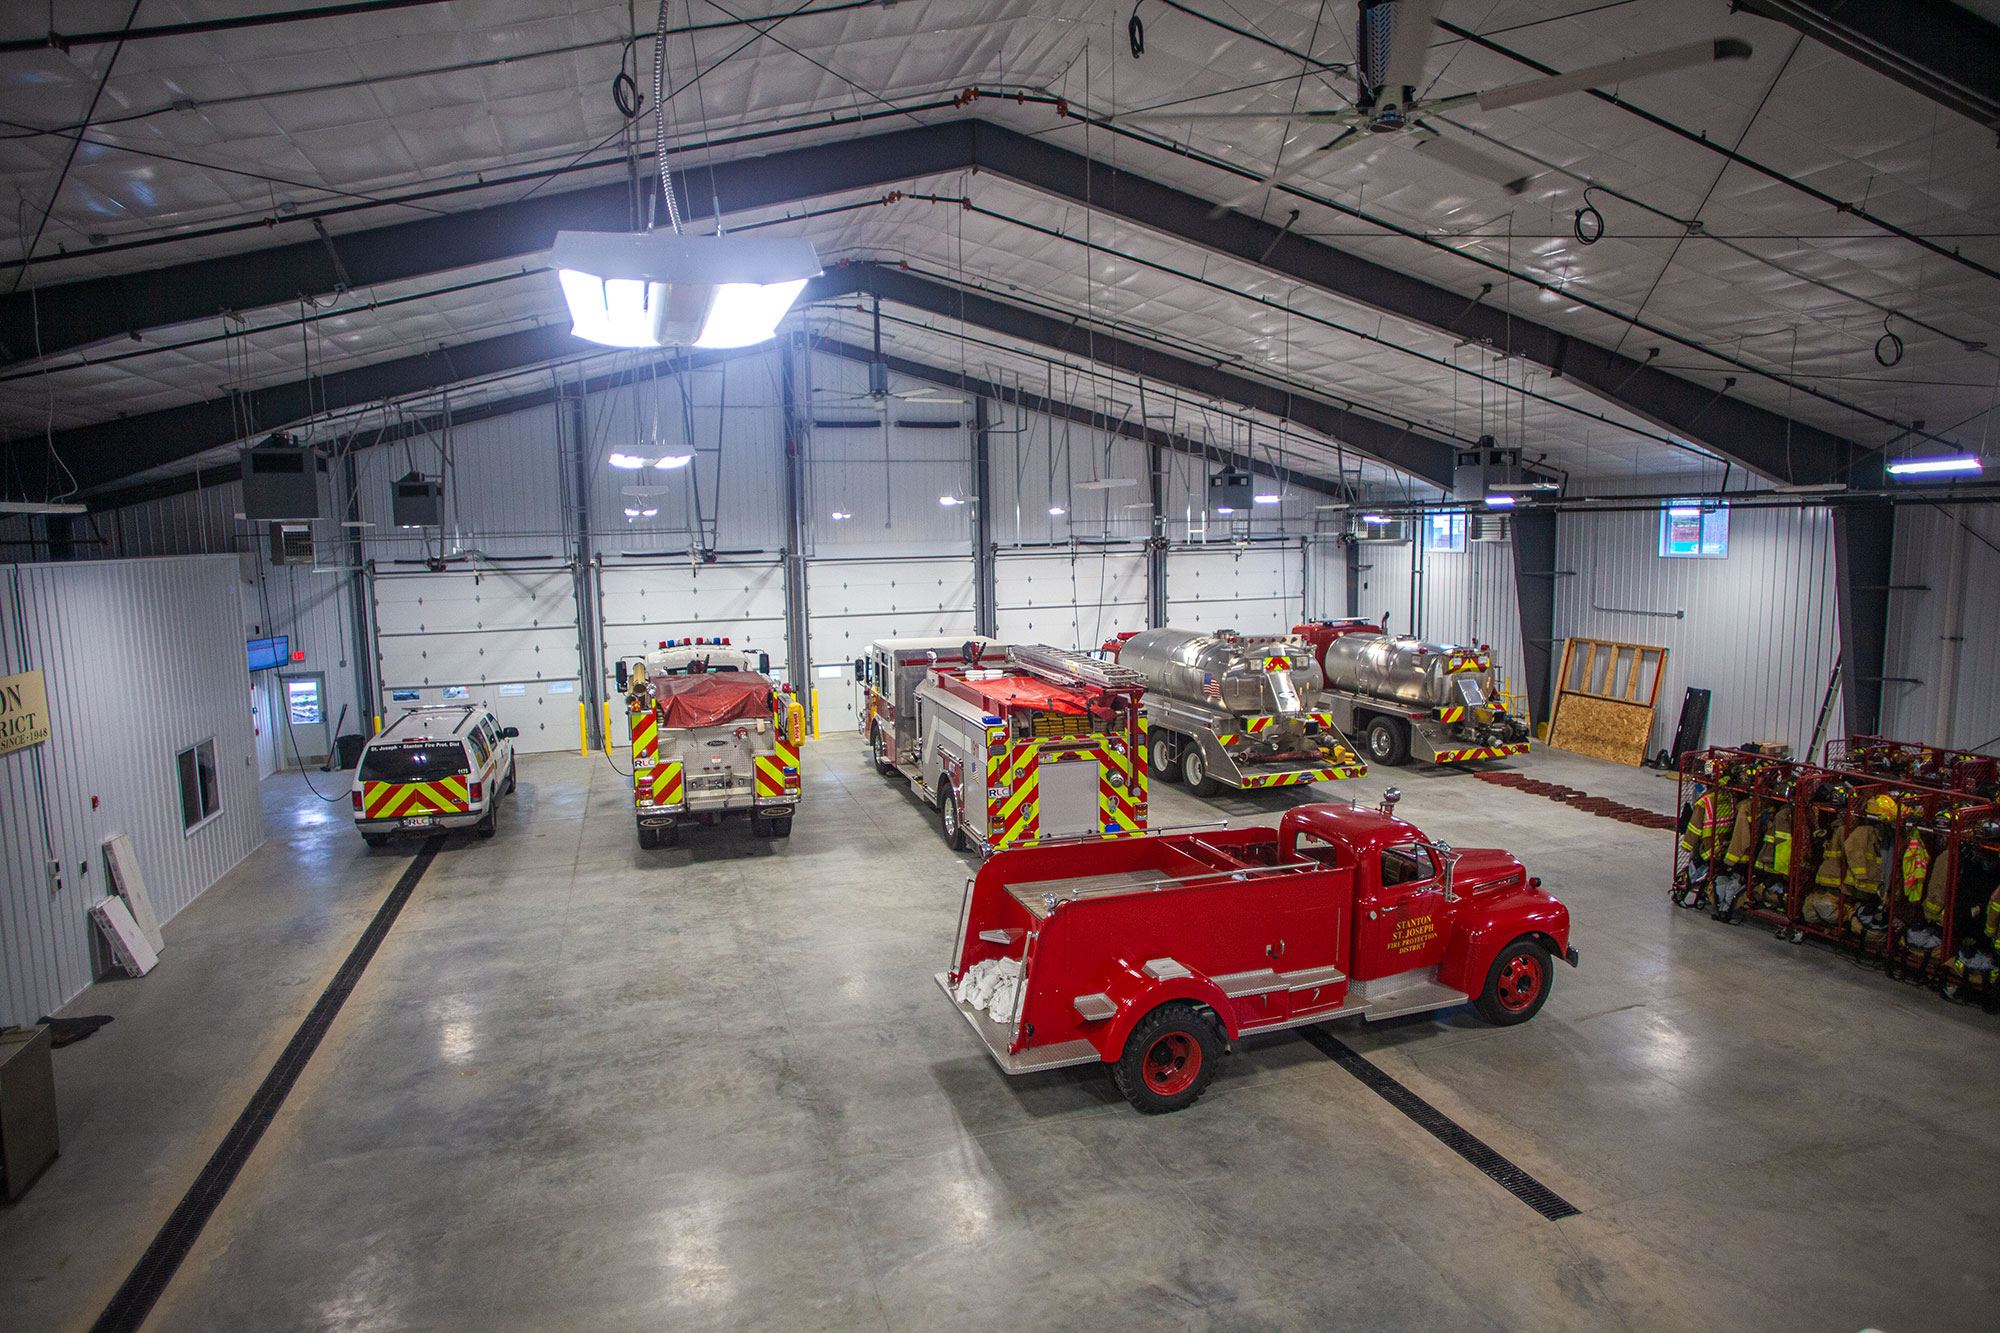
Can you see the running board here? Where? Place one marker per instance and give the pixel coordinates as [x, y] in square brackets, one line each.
[1417, 999]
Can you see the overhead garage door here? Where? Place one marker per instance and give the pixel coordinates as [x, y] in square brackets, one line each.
[1069, 601]
[852, 603]
[643, 603]
[1255, 589]
[503, 637]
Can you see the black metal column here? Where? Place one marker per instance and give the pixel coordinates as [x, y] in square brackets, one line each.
[1535, 590]
[1353, 549]
[798, 641]
[357, 596]
[589, 624]
[1864, 542]
[985, 596]
[1156, 544]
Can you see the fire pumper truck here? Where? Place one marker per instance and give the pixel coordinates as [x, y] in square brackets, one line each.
[1404, 696]
[1042, 744]
[712, 736]
[1234, 710]
[1152, 954]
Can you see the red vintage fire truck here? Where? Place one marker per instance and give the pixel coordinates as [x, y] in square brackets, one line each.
[1151, 954]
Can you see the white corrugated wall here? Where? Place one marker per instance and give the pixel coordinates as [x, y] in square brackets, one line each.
[1964, 715]
[141, 659]
[1757, 628]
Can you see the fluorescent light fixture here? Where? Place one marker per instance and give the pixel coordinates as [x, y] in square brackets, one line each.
[1057, 511]
[1373, 518]
[642, 492]
[1684, 511]
[839, 514]
[658, 289]
[1815, 488]
[1140, 504]
[631, 512]
[949, 500]
[628, 462]
[674, 460]
[1941, 465]
[649, 513]
[1105, 483]
[1333, 506]
[1224, 509]
[1496, 500]
[1523, 487]
[1266, 499]
[37, 507]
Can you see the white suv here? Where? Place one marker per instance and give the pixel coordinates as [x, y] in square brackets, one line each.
[443, 766]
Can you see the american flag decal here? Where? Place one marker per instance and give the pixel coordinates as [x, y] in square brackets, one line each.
[1209, 688]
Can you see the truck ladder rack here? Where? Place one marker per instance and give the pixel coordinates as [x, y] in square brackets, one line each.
[1065, 665]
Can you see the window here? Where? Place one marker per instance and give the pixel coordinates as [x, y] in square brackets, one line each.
[1408, 864]
[1695, 528]
[201, 796]
[426, 761]
[478, 739]
[1444, 532]
[302, 697]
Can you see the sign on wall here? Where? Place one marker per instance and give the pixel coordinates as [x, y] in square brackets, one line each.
[24, 712]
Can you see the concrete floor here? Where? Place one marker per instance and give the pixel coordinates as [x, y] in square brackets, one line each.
[586, 1086]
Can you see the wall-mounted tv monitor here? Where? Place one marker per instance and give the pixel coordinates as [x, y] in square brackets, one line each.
[264, 654]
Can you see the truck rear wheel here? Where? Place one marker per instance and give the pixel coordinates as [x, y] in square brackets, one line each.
[1169, 1059]
[1388, 741]
[954, 830]
[375, 839]
[1160, 756]
[1194, 771]
[488, 826]
[781, 826]
[1517, 985]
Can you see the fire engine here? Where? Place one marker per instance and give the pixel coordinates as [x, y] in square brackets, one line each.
[1404, 696]
[1234, 710]
[712, 736]
[1042, 744]
[1152, 954]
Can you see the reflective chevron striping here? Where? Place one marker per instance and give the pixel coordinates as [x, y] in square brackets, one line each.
[395, 800]
[1486, 752]
[666, 783]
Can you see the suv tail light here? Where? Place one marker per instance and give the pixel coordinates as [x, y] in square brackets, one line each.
[357, 801]
[478, 790]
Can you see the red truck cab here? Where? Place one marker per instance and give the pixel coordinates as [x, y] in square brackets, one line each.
[1151, 954]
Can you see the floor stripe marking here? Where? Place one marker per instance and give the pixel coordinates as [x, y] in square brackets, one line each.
[156, 1267]
[1446, 1130]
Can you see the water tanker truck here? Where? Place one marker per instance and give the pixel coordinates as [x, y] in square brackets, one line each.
[1403, 696]
[1228, 709]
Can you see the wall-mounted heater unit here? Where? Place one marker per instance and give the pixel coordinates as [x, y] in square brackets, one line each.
[418, 501]
[280, 480]
[291, 544]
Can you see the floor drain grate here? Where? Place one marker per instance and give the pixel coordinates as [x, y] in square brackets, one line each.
[1446, 1130]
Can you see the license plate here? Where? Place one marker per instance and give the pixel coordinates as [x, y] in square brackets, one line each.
[418, 821]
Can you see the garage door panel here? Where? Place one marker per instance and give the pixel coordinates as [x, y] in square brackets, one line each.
[489, 600]
[480, 657]
[1255, 591]
[744, 603]
[853, 603]
[1069, 601]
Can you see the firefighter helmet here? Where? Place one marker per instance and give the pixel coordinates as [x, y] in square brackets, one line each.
[1881, 807]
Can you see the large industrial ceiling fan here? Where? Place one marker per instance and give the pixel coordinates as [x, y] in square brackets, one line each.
[1393, 43]
[878, 379]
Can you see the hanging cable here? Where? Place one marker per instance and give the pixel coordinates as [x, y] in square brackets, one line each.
[660, 120]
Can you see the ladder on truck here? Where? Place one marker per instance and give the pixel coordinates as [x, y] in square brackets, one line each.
[1063, 665]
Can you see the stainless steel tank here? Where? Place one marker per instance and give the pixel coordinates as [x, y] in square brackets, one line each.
[1410, 670]
[1222, 671]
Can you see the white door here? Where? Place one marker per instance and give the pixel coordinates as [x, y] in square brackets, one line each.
[1254, 589]
[852, 603]
[1069, 601]
[506, 638]
[642, 603]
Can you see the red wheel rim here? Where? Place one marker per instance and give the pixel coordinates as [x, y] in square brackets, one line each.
[1171, 1063]
[1520, 982]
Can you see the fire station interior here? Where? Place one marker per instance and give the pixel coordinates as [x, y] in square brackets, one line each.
[1076, 664]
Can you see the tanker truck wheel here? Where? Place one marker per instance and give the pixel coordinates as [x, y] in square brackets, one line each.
[1388, 741]
[1169, 1060]
[1160, 757]
[1194, 772]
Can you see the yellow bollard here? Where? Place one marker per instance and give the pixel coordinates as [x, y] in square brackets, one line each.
[815, 695]
[582, 730]
[378, 724]
[607, 725]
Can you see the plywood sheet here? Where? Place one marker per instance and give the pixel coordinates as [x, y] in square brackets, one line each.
[1603, 728]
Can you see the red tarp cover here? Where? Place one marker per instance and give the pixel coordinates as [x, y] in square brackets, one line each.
[711, 698]
[1027, 692]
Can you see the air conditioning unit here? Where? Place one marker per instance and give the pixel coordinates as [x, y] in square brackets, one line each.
[1229, 489]
[1489, 528]
[418, 501]
[291, 544]
[280, 480]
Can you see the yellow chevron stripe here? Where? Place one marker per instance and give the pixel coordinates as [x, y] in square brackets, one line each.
[769, 775]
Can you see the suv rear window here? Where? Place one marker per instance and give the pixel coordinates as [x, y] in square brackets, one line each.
[414, 763]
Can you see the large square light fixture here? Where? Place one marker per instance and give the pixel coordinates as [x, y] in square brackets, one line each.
[659, 289]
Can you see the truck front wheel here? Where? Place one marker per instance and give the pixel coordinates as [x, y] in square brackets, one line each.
[1160, 757]
[1168, 1061]
[1388, 741]
[878, 743]
[1517, 984]
[1194, 771]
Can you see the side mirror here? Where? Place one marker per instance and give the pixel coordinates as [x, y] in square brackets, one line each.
[764, 663]
[624, 676]
[510, 733]
[860, 668]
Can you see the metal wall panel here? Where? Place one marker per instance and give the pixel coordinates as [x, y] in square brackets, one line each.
[508, 637]
[1957, 702]
[1251, 589]
[1388, 581]
[142, 658]
[887, 478]
[1326, 579]
[855, 602]
[199, 522]
[504, 490]
[1069, 599]
[1468, 597]
[1757, 628]
[643, 603]
[1035, 465]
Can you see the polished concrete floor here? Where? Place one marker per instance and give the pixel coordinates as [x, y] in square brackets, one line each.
[585, 1086]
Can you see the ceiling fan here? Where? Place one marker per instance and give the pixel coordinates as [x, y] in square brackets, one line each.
[1393, 42]
[878, 379]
